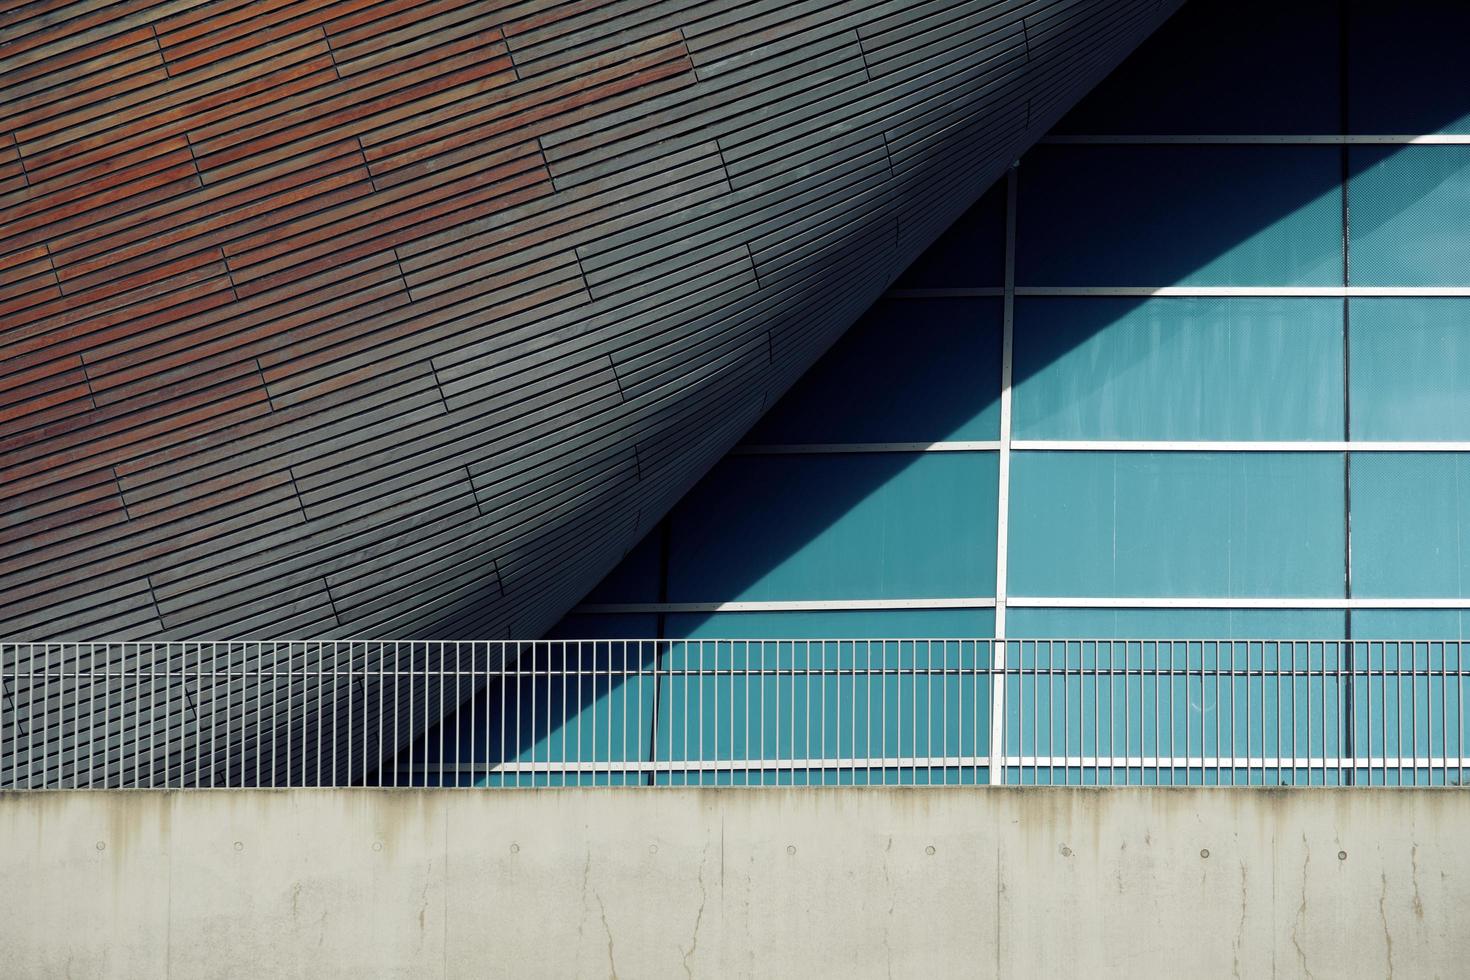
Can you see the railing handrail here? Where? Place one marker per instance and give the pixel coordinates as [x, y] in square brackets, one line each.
[672, 711]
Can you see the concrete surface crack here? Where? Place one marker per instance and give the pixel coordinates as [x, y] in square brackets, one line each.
[1240, 928]
[1414, 877]
[892, 904]
[1383, 914]
[1301, 912]
[586, 877]
[699, 916]
[612, 966]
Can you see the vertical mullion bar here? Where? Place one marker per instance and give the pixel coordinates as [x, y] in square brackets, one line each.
[443, 648]
[1003, 491]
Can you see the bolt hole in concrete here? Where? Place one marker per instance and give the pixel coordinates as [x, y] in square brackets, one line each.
[239, 845]
[790, 848]
[515, 848]
[1204, 852]
[652, 848]
[1066, 851]
[1342, 855]
[102, 845]
[929, 850]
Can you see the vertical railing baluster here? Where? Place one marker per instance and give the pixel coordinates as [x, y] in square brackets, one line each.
[439, 715]
[1444, 718]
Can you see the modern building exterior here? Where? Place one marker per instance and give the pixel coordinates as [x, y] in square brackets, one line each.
[374, 323]
[679, 487]
[391, 321]
[1195, 370]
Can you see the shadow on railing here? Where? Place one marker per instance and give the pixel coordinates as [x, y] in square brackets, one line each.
[732, 713]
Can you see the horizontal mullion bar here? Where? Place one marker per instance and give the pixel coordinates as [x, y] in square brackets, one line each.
[1198, 292]
[833, 448]
[1417, 292]
[1114, 445]
[792, 605]
[1233, 762]
[1215, 602]
[955, 292]
[1262, 139]
[1238, 446]
[938, 762]
[1031, 602]
[698, 765]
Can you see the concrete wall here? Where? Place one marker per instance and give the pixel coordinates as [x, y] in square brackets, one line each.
[655, 883]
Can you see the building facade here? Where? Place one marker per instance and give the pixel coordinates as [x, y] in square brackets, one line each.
[1194, 370]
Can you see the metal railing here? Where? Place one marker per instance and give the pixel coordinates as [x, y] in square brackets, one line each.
[733, 712]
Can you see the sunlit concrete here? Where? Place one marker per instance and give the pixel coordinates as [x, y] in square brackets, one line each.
[801, 883]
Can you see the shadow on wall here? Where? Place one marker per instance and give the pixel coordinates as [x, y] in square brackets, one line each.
[1105, 215]
[1087, 215]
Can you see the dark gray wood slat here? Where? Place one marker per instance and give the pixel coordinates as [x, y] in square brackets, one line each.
[682, 357]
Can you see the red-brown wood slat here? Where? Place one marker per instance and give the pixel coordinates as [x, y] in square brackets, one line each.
[239, 242]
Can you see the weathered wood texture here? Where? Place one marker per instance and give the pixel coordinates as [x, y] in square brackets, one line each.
[344, 318]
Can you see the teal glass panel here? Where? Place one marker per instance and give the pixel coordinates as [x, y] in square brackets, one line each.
[797, 712]
[1167, 215]
[1173, 713]
[1410, 208]
[1171, 624]
[848, 526]
[1411, 624]
[835, 624]
[606, 626]
[1227, 63]
[909, 371]
[1406, 67]
[635, 579]
[971, 253]
[1410, 366]
[1177, 368]
[1176, 524]
[1411, 525]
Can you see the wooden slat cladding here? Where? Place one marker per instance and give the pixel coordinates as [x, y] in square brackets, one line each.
[399, 318]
